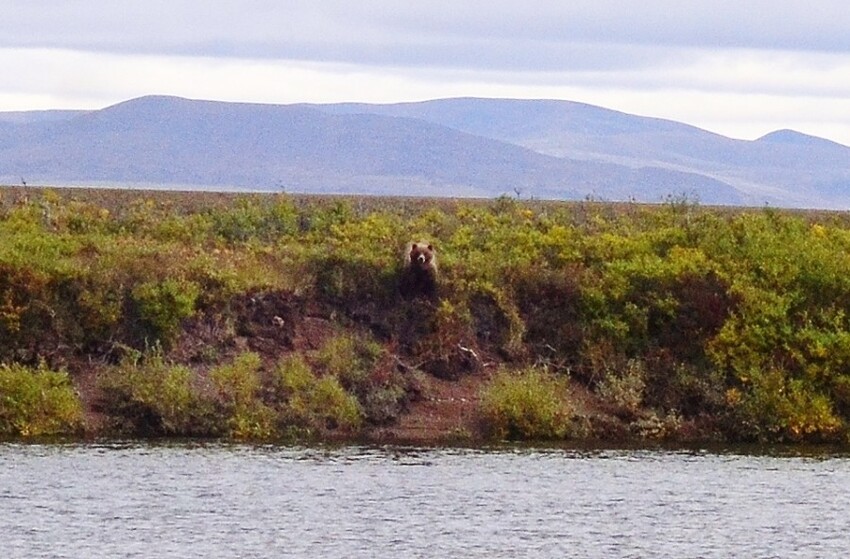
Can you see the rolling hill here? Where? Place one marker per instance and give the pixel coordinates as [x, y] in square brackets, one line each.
[450, 147]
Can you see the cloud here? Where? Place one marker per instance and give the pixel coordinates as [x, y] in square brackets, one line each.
[734, 67]
[594, 37]
[494, 34]
[707, 94]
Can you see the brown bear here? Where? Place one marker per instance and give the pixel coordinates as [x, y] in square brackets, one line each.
[419, 275]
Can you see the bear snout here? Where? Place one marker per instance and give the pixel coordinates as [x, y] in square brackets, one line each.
[421, 258]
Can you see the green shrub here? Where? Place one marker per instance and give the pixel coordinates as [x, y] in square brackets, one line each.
[37, 401]
[771, 408]
[497, 320]
[248, 219]
[623, 389]
[529, 404]
[146, 395]
[163, 305]
[548, 303]
[25, 304]
[360, 366]
[385, 401]
[349, 282]
[335, 406]
[313, 404]
[741, 315]
[350, 359]
[237, 386]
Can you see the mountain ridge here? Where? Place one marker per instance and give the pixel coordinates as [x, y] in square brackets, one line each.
[444, 147]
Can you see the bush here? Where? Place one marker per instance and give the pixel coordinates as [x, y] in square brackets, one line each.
[248, 219]
[623, 389]
[37, 401]
[739, 318]
[163, 305]
[337, 408]
[530, 404]
[349, 358]
[349, 282]
[497, 321]
[312, 404]
[237, 387]
[359, 364]
[774, 408]
[147, 396]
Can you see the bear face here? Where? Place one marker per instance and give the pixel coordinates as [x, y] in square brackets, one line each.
[419, 276]
[422, 256]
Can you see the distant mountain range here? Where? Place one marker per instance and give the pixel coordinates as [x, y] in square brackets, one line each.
[449, 147]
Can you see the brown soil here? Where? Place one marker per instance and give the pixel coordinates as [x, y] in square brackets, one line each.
[440, 409]
[445, 412]
[445, 403]
[442, 406]
[274, 324]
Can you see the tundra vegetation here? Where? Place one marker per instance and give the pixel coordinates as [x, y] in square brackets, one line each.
[276, 316]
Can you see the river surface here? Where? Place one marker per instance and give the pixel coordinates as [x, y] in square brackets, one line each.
[190, 500]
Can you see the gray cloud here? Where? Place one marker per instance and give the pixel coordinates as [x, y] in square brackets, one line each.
[742, 67]
[488, 35]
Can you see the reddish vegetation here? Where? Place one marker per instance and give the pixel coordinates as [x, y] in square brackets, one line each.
[276, 316]
[274, 324]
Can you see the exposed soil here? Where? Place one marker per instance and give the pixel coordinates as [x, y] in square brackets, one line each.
[446, 411]
[439, 408]
[274, 324]
[442, 404]
[447, 373]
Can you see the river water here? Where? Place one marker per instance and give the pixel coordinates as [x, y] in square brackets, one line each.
[191, 500]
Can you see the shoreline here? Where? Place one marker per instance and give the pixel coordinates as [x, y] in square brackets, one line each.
[271, 317]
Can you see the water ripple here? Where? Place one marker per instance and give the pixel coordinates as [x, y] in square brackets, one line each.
[183, 500]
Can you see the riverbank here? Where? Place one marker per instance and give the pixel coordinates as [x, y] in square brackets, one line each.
[131, 313]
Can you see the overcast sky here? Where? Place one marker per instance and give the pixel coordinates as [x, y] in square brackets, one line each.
[740, 68]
